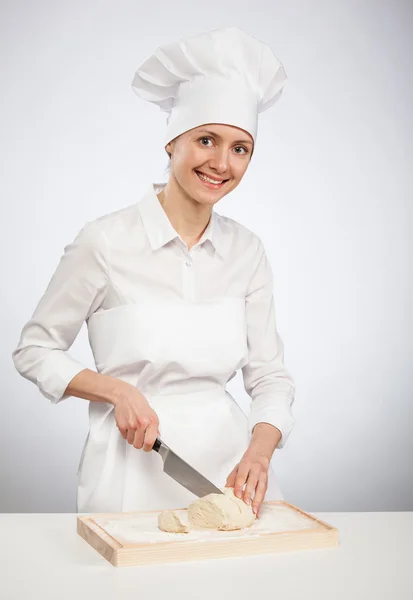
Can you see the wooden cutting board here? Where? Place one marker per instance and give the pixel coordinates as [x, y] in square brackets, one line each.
[127, 539]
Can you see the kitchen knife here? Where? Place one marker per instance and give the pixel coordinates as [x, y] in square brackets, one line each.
[183, 473]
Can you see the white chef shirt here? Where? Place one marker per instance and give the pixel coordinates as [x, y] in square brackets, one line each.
[134, 255]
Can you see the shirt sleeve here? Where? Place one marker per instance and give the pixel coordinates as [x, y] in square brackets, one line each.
[266, 379]
[75, 291]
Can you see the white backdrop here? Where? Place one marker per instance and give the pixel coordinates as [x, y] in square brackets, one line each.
[329, 191]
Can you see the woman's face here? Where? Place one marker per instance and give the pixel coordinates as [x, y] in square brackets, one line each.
[220, 152]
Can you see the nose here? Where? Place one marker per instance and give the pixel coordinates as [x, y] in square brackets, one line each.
[219, 161]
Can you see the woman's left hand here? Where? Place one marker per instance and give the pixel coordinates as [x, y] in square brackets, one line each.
[252, 470]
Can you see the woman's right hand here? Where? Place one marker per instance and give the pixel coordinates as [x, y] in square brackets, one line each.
[136, 420]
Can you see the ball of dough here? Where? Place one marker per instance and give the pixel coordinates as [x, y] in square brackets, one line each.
[168, 520]
[224, 512]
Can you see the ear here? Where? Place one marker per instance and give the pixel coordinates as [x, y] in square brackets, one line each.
[169, 147]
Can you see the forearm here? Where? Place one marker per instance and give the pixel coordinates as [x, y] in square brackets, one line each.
[97, 387]
[265, 439]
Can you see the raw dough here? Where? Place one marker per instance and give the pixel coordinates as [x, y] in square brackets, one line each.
[169, 521]
[221, 511]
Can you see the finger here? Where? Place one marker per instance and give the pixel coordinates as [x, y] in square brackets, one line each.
[143, 423]
[252, 481]
[150, 437]
[139, 437]
[260, 491]
[130, 433]
[230, 482]
[123, 430]
[241, 478]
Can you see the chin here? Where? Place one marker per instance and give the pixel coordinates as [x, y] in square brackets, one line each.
[203, 195]
[206, 198]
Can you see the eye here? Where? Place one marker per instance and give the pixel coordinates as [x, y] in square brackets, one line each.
[202, 139]
[241, 148]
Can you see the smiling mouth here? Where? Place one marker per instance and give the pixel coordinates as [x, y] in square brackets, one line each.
[210, 182]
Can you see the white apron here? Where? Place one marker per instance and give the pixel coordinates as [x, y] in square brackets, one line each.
[180, 356]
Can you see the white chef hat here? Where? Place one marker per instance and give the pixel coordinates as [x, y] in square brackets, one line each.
[222, 76]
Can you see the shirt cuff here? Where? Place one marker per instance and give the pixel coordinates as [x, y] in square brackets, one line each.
[282, 419]
[56, 372]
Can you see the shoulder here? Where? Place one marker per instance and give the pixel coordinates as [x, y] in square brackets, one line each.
[117, 222]
[239, 239]
[105, 229]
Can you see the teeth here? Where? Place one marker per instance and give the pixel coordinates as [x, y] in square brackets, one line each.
[205, 178]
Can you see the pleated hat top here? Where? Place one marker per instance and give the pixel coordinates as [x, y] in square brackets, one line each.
[222, 76]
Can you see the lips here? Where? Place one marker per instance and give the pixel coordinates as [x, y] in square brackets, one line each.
[214, 186]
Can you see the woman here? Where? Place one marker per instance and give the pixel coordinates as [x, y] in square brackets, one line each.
[176, 298]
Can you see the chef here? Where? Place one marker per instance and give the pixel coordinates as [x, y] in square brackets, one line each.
[176, 298]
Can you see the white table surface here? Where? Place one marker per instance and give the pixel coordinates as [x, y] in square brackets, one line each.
[43, 557]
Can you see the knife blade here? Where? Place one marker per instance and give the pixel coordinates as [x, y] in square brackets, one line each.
[183, 473]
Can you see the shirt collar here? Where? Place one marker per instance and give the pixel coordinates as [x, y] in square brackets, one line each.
[159, 229]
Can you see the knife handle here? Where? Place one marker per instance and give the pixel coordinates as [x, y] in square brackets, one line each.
[157, 445]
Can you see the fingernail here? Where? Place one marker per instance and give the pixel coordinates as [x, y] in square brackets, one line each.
[248, 501]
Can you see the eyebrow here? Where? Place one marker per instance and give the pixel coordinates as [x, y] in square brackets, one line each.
[216, 135]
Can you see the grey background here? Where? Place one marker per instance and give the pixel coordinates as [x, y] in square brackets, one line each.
[329, 191]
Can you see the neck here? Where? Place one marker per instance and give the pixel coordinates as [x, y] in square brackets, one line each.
[188, 217]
